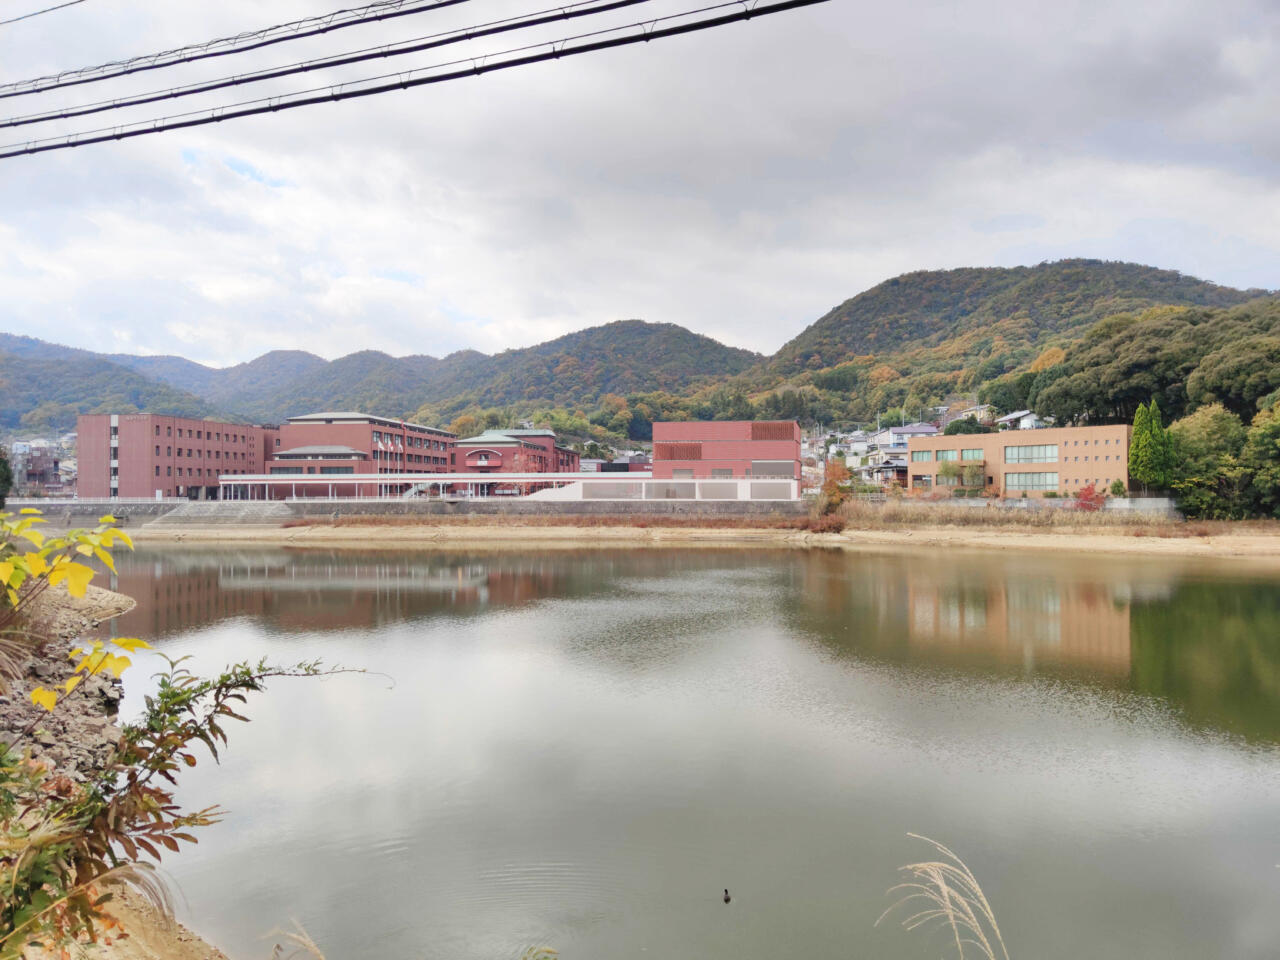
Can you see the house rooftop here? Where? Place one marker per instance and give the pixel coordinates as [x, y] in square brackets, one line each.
[1016, 415]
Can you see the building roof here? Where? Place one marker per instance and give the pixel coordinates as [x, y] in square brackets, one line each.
[1016, 415]
[320, 450]
[491, 438]
[915, 428]
[354, 416]
[528, 433]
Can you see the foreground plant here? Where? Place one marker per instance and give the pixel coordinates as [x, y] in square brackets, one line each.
[944, 894]
[66, 847]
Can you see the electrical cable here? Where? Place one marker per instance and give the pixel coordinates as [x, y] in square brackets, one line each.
[36, 13]
[586, 43]
[239, 43]
[519, 56]
[552, 15]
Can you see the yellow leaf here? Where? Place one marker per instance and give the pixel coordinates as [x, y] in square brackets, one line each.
[29, 512]
[35, 564]
[6, 571]
[105, 558]
[116, 665]
[84, 550]
[73, 682]
[13, 596]
[44, 698]
[78, 577]
[106, 518]
[35, 536]
[131, 644]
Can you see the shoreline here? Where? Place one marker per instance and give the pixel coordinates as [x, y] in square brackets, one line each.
[1112, 541]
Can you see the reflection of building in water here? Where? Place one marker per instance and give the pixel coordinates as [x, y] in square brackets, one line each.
[181, 592]
[1028, 619]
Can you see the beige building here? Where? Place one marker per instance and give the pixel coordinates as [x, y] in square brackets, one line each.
[1010, 463]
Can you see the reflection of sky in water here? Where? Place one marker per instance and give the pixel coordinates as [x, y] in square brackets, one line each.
[585, 751]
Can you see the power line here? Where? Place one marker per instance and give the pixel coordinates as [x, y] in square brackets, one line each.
[224, 46]
[517, 57]
[569, 12]
[36, 13]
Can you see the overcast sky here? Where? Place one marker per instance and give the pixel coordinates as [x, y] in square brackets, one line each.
[739, 182]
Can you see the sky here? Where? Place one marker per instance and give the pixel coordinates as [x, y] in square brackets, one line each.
[739, 182]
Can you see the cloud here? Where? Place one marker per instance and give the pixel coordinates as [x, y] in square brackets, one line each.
[739, 182]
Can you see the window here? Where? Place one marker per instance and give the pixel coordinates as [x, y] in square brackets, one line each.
[286, 469]
[157, 449]
[945, 481]
[168, 471]
[168, 431]
[1033, 453]
[337, 470]
[773, 468]
[168, 451]
[923, 481]
[971, 453]
[947, 454]
[157, 429]
[157, 469]
[1031, 481]
[682, 474]
[920, 455]
[721, 473]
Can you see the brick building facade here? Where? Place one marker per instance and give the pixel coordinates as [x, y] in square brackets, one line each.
[145, 455]
[698, 450]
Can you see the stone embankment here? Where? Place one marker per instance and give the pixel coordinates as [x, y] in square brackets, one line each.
[78, 737]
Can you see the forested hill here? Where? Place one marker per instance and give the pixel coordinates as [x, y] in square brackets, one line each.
[905, 345]
[45, 386]
[578, 369]
[981, 305]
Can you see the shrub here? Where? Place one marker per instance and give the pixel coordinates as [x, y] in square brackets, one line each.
[826, 523]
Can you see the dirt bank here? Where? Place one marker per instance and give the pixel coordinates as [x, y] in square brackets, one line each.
[1167, 540]
[76, 739]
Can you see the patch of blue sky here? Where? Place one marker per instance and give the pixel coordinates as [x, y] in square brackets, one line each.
[401, 276]
[246, 169]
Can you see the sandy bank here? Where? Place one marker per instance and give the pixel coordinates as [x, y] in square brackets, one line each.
[1170, 541]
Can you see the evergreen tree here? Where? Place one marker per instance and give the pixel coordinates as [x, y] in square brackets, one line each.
[1164, 455]
[6, 476]
[1262, 458]
[1140, 447]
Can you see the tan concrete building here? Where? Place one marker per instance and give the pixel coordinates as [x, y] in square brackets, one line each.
[1010, 463]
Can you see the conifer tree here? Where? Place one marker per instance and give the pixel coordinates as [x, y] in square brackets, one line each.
[1140, 447]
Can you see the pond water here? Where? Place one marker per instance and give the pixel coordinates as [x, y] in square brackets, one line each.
[581, 750]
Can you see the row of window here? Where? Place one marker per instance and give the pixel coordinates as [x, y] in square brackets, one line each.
[198, 434]
[191, 472]
[334, 471]
[969, 453]
[399, 441]
[213, 454]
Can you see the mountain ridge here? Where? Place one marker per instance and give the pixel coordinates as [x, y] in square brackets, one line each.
[921, 335]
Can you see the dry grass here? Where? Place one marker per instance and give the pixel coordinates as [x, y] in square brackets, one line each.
[864, 515]
[944, 895]
[297, 943]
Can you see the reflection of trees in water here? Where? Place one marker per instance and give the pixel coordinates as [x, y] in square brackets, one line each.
[1212, 649]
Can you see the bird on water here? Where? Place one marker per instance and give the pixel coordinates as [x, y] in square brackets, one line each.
[727, 898]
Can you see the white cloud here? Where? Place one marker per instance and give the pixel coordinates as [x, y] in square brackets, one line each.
[739, 182]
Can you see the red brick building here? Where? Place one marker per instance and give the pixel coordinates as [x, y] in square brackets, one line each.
[340, 444]
[698, 450]
[515, 451]
[145, 455]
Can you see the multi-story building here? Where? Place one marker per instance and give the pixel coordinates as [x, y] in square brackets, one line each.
[338, 443]
[146, 455]
[696, 450]
[515, 451]
[1011, 463]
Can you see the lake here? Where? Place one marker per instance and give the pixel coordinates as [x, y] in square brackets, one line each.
[581, 749]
